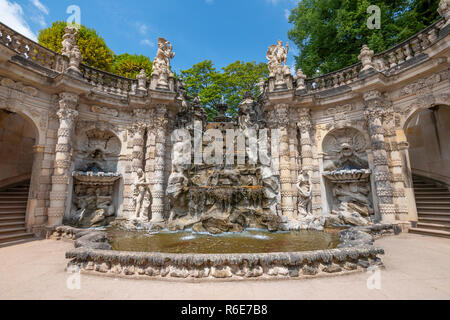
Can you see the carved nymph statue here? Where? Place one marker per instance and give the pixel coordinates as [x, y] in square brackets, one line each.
[304, 187]
[142, 196]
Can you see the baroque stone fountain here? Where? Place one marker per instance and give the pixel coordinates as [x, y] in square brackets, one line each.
[221, 215]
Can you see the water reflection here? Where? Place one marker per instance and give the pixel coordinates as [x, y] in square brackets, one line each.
[249, 241]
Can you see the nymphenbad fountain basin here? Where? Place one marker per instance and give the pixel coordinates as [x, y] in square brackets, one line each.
[249, 241]
[248, 255]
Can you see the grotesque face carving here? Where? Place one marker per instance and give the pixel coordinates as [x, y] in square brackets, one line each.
[346, 150]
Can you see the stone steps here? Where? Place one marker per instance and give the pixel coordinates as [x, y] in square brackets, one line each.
[434, 226]
[430, 232]
[13, 206]
[12, 218]
[432, 219]
[433, 208]
[436, 198]
[15, 237]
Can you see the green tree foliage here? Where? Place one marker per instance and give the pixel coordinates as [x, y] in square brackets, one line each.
[127, 65]
[330, 33]
[228, 84]
[93, 48]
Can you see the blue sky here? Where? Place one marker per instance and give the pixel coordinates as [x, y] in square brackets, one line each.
[220, 30]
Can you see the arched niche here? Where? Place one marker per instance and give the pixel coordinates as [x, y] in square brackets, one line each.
[96, 150]
[97, 184]
[346, 176]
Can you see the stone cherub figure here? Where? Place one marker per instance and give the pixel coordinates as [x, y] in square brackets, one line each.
[304, 187]
[142, 197]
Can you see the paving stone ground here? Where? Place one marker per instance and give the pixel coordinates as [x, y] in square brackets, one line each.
[417, 267]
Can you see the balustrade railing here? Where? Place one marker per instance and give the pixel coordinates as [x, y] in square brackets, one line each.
[111, 83]
[334, 79]
[407, 49]
[108, 82]
[27, 48]
[382, 62]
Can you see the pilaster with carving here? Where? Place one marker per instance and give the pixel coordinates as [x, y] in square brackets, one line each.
[395, 165]
[61, 175]
[374, 111]
[158, 192]
[294, 159]
[307, 158]
[287, 205]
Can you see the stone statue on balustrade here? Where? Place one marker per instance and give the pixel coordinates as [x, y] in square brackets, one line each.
[161, 65]
[277, 65]
[71, 50]
[142, 196]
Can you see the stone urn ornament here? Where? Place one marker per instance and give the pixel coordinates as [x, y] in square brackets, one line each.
[366, 58]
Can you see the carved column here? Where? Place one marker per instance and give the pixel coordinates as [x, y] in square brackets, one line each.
[138, 146]
[61, 174]
[307, 159]
[395, 166]
[294, 158]
[158, 192]
[287, 206]
[305, 126]
[381, 174]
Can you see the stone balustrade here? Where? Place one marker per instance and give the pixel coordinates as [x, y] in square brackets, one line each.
[383, 62]
[408, 49]
[108, 82]
[334, 79]
[27, 48]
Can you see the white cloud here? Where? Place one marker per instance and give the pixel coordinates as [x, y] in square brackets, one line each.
[148, 43]
[276, 2]
[209, 1]
[287, 13]
[40, 20]
[12, 15]
[40, 6]
[142, 28]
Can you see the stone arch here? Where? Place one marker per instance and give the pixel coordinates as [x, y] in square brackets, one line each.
[31, 119]
[24, 160]
[426, 131]
[424, 104]
[22, 134]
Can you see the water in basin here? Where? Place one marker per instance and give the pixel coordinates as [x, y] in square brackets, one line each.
[249, 241]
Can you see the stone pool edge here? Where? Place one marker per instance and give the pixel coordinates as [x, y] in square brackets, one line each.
[94, 255]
